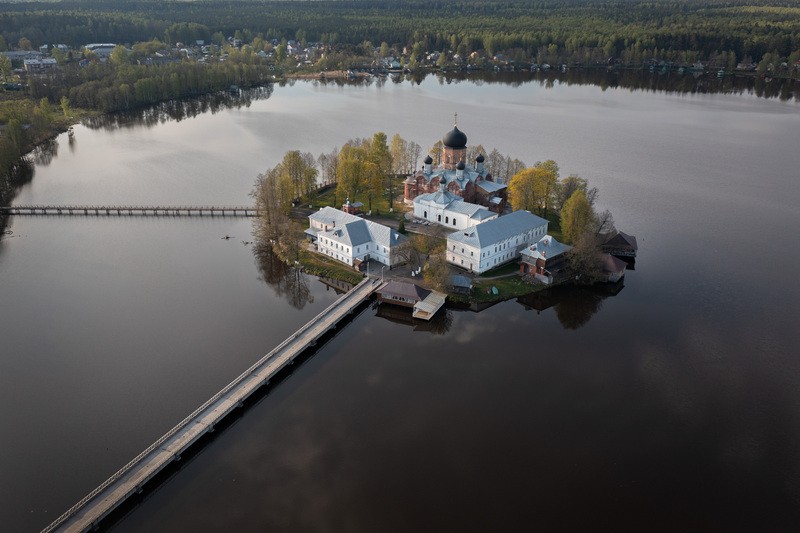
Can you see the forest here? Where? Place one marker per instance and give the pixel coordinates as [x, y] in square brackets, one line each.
[581, 31]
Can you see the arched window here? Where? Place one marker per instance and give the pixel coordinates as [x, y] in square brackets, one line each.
[439, 218]
[425, 214]
[446, 220]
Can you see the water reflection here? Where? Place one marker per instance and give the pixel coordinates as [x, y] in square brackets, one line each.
[667, 81]
[574, 305]
[44, 154]
[288, 283]
[438, 325]
[635, 80]
[178, 110]
[10, 185]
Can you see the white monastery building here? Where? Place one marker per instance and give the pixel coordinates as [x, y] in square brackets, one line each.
[450, 210]
[351, 239]
[485, 246]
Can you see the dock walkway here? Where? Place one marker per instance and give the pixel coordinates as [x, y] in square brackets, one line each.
[129, 480]
[131, 210]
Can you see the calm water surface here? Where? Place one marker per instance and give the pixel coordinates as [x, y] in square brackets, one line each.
[675, 403]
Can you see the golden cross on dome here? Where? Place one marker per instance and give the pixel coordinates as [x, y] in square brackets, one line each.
[455, 119]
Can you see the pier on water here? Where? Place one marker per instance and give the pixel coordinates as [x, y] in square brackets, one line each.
[131, 478]
[131, 210]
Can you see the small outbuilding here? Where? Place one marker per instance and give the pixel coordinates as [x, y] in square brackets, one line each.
[620, 244]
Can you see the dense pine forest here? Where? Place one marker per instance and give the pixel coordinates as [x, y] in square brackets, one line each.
[574, 31]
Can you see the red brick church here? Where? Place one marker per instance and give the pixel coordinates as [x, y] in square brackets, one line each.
[472, 183]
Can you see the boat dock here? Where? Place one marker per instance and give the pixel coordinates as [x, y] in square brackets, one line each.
[130, 210]
[131, 478]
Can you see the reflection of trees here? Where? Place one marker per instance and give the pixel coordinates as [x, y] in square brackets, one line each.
[10, 185]
[637, 79]
[287, 282]
[574, 305]
[576, 308]
[44, 154]
[179, 109]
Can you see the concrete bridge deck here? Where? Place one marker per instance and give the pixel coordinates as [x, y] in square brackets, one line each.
[129, 480]
[131, 210]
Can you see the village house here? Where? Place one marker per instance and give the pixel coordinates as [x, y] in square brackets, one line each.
[450, 210]
[472, 183]
[353, 240]
[544, 259]
[40, 66]
[493, 243]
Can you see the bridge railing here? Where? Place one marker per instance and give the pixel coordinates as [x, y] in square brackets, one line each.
[72, 511]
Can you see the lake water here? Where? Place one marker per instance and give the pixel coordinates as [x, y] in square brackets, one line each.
[674, 404]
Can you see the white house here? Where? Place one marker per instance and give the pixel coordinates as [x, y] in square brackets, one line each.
[450, 210]
[485, 246]
[351, 239]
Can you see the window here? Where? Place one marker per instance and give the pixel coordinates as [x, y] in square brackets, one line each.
[446, 220]
[471, 254]
[439, 218]
[424, 214]
[454, 221]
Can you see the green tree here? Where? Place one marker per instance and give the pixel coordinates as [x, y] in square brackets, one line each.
[521, 191]
[546, 184]
[280, 53]
[576, 217]
[5, 66]
[59, 56]
[583, 260]
[301, 171]
[25, 44]
[534, 188]
[351, 172]
[119, 56]
[381, 159]
[65, 106]
[399, 151]
[437, 272]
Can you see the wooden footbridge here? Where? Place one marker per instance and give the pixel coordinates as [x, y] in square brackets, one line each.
[130, 479]
[130, 210]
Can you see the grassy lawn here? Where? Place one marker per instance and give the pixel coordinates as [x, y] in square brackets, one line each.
[507, 288]
[320, 265]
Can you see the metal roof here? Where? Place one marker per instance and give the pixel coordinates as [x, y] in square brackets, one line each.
[354, 231]
[403, 290]
[546, 248]
[497, 230]
[490, 186]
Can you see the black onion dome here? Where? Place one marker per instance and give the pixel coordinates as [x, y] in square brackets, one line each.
[429, 160]
[461, 166]
[480, 158]
[455, 138]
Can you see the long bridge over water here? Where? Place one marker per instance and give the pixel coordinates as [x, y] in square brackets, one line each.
[131, 210]
[131, 478]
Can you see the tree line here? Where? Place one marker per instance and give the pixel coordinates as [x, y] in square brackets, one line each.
[581, 31]
[119, 87]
